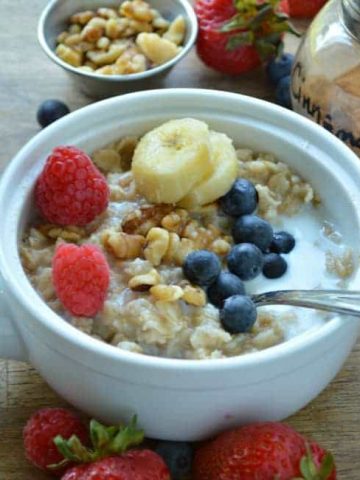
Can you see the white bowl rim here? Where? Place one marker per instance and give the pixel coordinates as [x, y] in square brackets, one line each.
[59, 327]
[117, 78]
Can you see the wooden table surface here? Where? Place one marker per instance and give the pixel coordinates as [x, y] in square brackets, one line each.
[27, 78]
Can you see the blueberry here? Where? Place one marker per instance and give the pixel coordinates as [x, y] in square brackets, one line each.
[245, 261]
[274, 266]
[202, 267]
[238, 314]
[253, 229]
[178, 457]
[241, 199]
[280, 67]
[283, 242]
[50, 111]
[225, 286]
[282, 92]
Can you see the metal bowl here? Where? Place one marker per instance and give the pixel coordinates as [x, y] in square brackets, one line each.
[54, 20]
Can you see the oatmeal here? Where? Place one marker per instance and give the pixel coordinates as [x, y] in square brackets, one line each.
[131, 39]
[154, 305]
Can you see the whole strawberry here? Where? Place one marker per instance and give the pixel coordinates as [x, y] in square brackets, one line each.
[236, 36]
[42, 428]
[81, 278]
[263, 451]
[70, 190]
[133, 465]
[305, 8]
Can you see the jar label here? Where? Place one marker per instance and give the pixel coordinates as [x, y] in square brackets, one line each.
[329, 104]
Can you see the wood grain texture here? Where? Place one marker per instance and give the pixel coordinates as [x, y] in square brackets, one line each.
[27, 77]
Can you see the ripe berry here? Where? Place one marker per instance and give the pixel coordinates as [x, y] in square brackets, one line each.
[202, 267]
[245, 261]
[178, 456]
[71, 190]
[43, 427]
[280, 67]
[283, 242]
[81, 278]
[274, 266]
[253, 229]
[225, 286]
[132, 465]
[50, 111]
[238, 314]
[242, 199]
[282, 92]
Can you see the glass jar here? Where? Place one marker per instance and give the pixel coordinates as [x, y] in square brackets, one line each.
[326, 74]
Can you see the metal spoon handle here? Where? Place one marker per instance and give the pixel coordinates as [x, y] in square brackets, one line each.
[340, 301]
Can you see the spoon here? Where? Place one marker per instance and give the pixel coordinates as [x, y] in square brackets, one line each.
[340, 301]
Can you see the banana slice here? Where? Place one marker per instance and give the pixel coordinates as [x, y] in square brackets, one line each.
[171, 159]
[224, 158]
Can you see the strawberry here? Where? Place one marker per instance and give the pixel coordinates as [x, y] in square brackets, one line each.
[40, 430]
[262, 451]
[304, 8]
[236, 36]
[134, 465]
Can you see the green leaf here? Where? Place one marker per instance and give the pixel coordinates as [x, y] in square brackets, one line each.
[327, 466]
[64, 448]
[127, 437]
[235, 23]
[240, 40]
[265, 49]
[310, 471]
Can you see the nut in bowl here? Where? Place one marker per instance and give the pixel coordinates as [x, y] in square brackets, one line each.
[306, 162]
[117, 46]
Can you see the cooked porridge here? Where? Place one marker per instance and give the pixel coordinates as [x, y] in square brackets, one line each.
[151, 305]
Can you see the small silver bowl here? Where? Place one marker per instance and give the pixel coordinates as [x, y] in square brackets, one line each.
[54, 20]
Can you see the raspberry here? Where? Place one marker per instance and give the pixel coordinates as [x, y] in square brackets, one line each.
[71, 190]
[134, 465]
[42, 428]
[81, 278]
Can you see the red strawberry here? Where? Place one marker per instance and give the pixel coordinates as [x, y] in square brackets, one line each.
[70, 190]
[235, 36]
[305, 8]
[262, 451]
[42, 428]
[134, 465]
[81, 278]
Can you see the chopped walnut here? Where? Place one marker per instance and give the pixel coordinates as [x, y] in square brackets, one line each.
[141, 283]
[157, 244]
[176, 221]
[141, 220]
[178, 250]
[176, 31]
[69, 234]
[82, 17]
[157, 49]
[341, 265]
[137, 9]
[123, 245]
[69, 55]
[166, 293]
[94, 30]
[194, 296]
[220, 247]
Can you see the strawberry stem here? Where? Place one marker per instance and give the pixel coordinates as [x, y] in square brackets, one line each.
[310, 471]
[258, 24]
[105, 441]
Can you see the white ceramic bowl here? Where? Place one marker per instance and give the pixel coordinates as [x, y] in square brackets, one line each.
[177, 399]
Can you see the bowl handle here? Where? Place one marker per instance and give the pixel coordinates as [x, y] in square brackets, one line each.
[11, 344]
